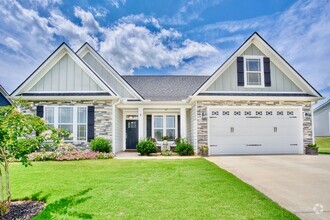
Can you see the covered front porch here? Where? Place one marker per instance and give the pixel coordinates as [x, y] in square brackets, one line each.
[136, 122]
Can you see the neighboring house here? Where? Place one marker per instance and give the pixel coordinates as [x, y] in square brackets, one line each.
[255, 103]
[322, 119]
[4, 97]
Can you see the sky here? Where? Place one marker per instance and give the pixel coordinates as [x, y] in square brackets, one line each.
[192, 37]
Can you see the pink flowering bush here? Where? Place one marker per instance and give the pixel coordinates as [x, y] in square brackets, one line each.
[68, 152]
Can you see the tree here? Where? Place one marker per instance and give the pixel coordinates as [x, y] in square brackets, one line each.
[20, 135]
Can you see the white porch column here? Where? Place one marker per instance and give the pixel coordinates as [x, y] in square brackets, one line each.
[183, 122]
[141, 118]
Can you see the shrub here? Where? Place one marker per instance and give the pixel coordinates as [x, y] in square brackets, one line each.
[68, 152]
[184, 148]
[312, 145]
[101, 145]
[145, 147]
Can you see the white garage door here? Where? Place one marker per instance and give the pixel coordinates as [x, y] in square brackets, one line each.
[255, 130]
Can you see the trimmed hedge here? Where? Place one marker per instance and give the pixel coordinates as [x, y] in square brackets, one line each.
[101, 144]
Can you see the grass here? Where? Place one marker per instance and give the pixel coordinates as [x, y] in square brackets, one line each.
[324, 144]
[140, 189]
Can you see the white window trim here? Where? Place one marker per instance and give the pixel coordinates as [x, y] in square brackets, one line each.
[75, 121]
[262, 85]
[164, 124]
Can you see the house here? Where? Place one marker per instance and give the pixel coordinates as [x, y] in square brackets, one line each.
[4, 97]
[322, 119]
[254, 103]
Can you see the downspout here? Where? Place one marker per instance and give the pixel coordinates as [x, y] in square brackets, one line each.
[114, 125]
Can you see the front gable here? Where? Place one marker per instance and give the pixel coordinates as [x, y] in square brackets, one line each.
[63, 72]
[231, 77]
[107, 73]
[227, 81]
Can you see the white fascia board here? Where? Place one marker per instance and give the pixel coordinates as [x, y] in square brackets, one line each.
[51, 61]
[252, 98]
[283, 66]
[268, 51]
[162, 105]
[87, 48]
[41, 70]
[54, 98]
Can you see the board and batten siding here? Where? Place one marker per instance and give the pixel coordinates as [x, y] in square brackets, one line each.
[107, 76]
[119, 130]
[228, 80]
[322, 121]
[66, 75]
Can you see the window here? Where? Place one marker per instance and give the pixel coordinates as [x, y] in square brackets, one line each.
[254, 76]
[70, 118]
[164, 125]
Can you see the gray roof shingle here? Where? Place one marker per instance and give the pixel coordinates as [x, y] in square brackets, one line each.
[166, 88]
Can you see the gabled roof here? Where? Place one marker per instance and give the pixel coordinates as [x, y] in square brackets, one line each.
[5, 100]
[322, 106]
[86, 47]
[166, 88]
[50, 61]
[256, 39]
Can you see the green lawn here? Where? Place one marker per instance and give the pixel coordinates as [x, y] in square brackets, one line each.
[141, 189]
[324, 144]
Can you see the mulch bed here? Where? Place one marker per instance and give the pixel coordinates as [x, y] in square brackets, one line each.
[25, 209]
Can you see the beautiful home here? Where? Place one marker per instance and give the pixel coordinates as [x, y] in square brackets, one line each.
[322, 119]
[254, 103]
[4, 97]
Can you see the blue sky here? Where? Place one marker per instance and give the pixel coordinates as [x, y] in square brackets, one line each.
[189, 37]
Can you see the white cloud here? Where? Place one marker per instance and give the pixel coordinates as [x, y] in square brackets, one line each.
[189, 11]
[117, 3]
[140, 18]
[301, 34]
[45, 3]
[128, 46]
[12, 43]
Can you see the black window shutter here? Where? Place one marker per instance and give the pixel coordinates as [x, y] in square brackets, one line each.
[149, 123]
[179, 127]
[40, 111]
[240, 71]
[90, 123]
[267, 71]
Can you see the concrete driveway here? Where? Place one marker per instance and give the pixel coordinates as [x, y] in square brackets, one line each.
[299, 183]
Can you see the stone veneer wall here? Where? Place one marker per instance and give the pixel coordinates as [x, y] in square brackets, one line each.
[103, 114]
[202, 120]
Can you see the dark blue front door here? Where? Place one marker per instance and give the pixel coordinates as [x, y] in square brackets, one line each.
[131, 134]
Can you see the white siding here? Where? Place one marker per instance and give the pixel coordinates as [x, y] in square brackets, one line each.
[107, 76]
[228, 80]
[66, 75]
[322, 122]
[119, 129]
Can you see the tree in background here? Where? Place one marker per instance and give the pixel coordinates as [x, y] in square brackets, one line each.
[20, 135]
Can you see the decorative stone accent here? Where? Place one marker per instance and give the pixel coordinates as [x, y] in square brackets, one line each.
[103, 113]
[202, 119]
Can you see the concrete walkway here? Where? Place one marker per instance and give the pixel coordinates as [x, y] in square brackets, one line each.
[136, 156]
[299, 183]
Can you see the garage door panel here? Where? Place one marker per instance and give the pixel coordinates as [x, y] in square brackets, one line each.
[262, 131]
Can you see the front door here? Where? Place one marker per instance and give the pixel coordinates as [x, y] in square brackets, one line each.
[131, 134]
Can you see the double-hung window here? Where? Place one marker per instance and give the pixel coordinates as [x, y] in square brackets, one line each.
[164, 125]
[70, 118]
[253, 69]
